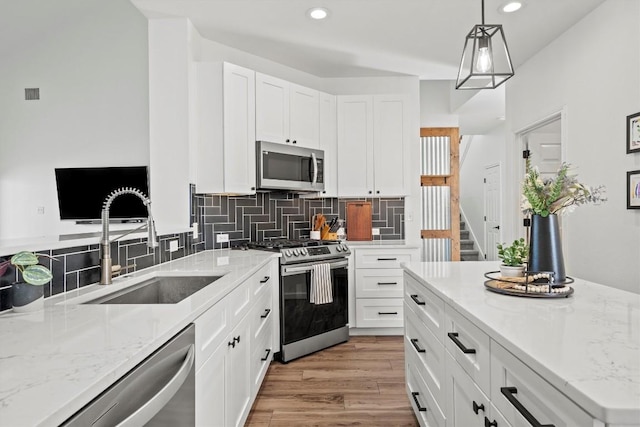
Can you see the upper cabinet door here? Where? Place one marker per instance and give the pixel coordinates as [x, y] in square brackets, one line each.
[272, 109]
[329, 143]
[304, 116]
[226, 123]
[391, 135]
[286, 113]
[355, 146]
[239, 130]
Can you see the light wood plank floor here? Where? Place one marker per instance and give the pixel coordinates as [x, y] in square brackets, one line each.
[358, 383]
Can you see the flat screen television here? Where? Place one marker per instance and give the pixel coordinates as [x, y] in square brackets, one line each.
[82, 191]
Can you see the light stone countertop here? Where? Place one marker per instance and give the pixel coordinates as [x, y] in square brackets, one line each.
[380, 244]
[55, 361]
[587, 345]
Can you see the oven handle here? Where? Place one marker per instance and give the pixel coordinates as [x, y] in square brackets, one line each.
[290, 270]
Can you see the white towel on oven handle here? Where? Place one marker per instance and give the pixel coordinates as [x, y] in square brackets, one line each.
[321, 291]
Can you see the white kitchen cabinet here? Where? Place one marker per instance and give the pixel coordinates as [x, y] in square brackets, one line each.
[232, 339]
[524, 398]
[469, 376]
[379, 286]
[373, 134]
[286, 112]
[226, 147]
[329, 143]
[422, 401]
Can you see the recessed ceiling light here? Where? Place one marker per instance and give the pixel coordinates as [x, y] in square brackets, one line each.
[318, 13]
[511, 6]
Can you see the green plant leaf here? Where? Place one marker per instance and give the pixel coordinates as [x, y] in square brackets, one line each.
[24, 258]
[37, 275]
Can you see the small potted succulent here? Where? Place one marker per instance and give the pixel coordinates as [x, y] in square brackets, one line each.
[28, 293]
[513, 258]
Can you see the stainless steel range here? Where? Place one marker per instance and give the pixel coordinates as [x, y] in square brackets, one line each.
[305, 326]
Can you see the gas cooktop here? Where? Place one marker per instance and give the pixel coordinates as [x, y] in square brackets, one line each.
[303, 250]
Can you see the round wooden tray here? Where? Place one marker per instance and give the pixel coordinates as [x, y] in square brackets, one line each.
[496, 284]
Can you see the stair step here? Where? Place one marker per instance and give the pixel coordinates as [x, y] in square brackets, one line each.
[469, 255]
[464, 234]
[466, 244]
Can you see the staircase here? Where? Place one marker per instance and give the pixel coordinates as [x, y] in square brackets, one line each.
[468, 252]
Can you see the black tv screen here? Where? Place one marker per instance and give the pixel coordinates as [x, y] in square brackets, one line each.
[82, 191]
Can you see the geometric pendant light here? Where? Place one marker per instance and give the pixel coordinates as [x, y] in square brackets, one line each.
[485, 63]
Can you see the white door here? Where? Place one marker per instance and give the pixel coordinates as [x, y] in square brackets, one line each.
[491, 211]
[272, 109]
[355, 146]
[304, 116]
[390, 133]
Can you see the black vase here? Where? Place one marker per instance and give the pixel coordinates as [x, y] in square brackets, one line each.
[545, 248]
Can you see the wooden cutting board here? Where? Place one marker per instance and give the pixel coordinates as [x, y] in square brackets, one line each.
[359, 221]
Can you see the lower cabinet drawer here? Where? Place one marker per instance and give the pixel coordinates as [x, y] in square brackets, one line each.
[261, 356]
[470, 347]
[379, 313]
[422, 401]
[261, 280]
[379, 283]
[426, 348]
[261, 314]
[427, 306]
[524, 398]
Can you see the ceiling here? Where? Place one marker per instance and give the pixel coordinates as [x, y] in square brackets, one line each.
[370, 37]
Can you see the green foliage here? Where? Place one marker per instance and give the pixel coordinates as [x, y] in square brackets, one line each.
[32, 272]
[513, 255]
[557, 195]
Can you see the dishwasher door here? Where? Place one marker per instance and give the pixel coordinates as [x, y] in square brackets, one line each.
[159, 392]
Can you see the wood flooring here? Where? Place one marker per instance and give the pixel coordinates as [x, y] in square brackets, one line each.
[357, 383]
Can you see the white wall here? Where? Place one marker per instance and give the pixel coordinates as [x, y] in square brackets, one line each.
[93, 78]
[482, 151]
[592, 72]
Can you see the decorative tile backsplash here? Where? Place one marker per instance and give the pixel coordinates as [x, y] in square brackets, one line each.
[272, 215]
[259, 217]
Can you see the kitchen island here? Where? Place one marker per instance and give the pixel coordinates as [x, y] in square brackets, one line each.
[586, 346]
[55, 361]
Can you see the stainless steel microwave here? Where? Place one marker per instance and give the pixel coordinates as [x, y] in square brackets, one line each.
[289, 167]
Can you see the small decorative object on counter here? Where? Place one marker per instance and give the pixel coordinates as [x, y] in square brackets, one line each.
[544, 200]
[532, 284]
[513, 258]
[28, 294]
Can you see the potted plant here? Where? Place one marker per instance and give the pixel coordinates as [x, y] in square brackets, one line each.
[513, 258]
[28, 293]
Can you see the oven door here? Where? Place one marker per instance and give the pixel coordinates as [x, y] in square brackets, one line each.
[299, 318]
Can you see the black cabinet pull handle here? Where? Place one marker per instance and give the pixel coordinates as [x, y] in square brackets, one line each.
[387, 283]
[234, 341]
[387, 312]
[509, 393]
[414, 341]
[488, 423]
[378, 192]
[266, 313]
[416, 300]
[266, 356]
[477, 407]
[415, 395]
[253, 188]
[454, 337]
[287, 140]
[265, 280]
[387, 259]
[294, 141]
[370, 191]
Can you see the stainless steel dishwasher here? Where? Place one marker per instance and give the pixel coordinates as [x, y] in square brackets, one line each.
[160, 391]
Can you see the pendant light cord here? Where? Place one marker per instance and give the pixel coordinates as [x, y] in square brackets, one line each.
[483, 13]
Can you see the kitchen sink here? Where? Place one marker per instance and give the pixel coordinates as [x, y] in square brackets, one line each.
[158, 290]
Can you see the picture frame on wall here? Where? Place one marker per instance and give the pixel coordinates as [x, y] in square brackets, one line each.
[633, 133]
[633, 189]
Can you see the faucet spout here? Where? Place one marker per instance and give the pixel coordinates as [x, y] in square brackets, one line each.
[106, 263]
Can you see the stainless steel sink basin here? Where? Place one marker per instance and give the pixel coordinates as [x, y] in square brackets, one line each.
[158, 290]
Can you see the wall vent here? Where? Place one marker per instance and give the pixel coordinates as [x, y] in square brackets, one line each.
[32, 93]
